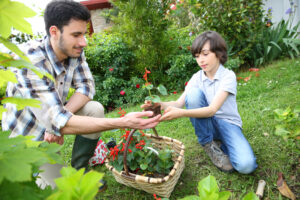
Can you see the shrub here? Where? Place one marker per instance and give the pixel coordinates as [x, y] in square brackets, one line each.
[276, 41]
[109, 54]
[238, 21]
[144, 24]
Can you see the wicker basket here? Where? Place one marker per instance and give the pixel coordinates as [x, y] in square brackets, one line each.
[160, 186]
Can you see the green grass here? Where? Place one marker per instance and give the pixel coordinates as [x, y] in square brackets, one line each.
[278, 86]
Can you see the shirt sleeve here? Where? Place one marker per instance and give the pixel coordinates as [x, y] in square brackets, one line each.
[193, 82]
[83, 81]
[228, 83]
[52, 114]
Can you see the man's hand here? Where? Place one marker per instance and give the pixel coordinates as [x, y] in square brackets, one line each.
[134, 120]
[48, 137]
[171, 113]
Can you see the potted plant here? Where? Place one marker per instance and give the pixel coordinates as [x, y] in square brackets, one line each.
[154, 99]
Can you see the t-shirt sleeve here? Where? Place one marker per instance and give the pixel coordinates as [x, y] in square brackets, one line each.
[193, 82]
[228, 83]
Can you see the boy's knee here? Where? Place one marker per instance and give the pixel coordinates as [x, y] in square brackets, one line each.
[195, 98]
[246, 165]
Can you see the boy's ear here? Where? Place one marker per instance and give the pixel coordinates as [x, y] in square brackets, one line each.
[54, 31]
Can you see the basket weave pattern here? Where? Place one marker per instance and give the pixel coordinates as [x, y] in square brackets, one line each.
[160, 186]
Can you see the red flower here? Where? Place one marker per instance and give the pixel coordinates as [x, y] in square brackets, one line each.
[186, 83]
[114, 151]
[239, 78]
[111, 69]
[145, 75]
[253, 70]
[140, 145]
[174, 92]
[142, 133]
[122, 92]
[122, 112]
[173, 6]
[125, 136]
[247, 78]
[137, 85]
[257, 74]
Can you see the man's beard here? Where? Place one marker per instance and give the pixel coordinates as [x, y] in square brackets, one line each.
[63, 49]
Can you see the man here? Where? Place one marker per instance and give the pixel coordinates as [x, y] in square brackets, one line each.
[61, 55]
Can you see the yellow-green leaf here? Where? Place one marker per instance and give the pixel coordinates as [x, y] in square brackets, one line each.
[12, 14]
[13, 48]
[24, 64]
[5, 76]
[22, 103]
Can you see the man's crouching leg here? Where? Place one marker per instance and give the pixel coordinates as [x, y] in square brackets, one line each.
[85, 145]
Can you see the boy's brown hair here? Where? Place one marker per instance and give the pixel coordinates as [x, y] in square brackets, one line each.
[217, 45]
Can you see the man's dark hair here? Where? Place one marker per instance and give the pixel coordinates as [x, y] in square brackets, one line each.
[217, 45]
[60, 12]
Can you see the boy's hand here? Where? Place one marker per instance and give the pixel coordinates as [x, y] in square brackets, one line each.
[48, 137]
[171, 113]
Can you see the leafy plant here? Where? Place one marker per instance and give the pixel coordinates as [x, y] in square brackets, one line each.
[144, 24]
[208, 189]
[76, 185]
[275, 41]
[23, 153]
[289, 122]
[149, 87]
[143, 157]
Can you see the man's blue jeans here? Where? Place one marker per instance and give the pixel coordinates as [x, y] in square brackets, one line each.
[234, 144]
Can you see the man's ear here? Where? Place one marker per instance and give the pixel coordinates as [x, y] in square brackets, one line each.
[54, 31]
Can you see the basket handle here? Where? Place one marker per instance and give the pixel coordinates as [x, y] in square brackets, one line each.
[126, 149]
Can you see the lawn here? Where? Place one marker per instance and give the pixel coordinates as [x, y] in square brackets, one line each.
[277, 86]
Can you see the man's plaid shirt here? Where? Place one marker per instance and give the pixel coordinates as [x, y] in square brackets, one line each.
[52, 115]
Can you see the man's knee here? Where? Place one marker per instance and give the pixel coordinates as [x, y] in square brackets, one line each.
[92, 109]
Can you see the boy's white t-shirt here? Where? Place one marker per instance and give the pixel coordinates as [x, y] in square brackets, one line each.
[225, 80]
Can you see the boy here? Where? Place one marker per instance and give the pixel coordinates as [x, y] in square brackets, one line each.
[210, 99]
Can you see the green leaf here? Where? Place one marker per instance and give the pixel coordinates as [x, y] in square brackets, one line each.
[22, 103]
[250, 196]
[18, 158]
[144, 166]
[5, 76]
[24, 64]
[77, 185]
[13, 48]
[208, 188]
[12, 14]
[156, 99]
[162, 89]
[192, 197]
[281, 131]
[148, 87]
[224, 195]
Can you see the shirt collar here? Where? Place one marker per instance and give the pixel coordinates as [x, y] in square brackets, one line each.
[217, 75]
[57, 66]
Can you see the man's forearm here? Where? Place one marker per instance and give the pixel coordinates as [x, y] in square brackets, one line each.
[76, 102]
[86, 125]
